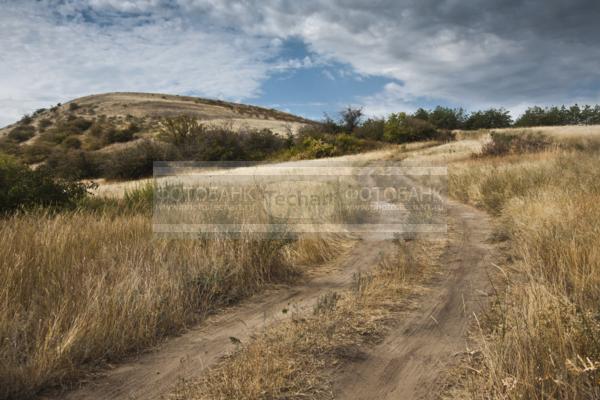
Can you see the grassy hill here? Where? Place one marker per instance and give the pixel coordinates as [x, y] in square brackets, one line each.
[99, 121]
[85, 136]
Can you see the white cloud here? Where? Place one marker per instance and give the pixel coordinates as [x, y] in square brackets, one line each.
[45, 61]
[475, 53]
[392, 98]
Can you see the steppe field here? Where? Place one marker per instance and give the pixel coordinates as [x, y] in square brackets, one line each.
[503, 305]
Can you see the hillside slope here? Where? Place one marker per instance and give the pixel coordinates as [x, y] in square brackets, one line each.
[100, 124]
[123, 106]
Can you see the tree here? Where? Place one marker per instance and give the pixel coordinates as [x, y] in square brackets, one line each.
[489, 119]
[329, 125]
[422, 114]
[401, 128]
[447, 118]
[180, 130]
[372, 129]
[351, 118]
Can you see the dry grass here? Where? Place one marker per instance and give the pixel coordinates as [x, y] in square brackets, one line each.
[81, 289]
[295, 359]
[541, 340]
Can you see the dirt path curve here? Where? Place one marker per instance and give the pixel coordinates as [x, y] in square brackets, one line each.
[153, 374]
[405, 366]
[412, 360]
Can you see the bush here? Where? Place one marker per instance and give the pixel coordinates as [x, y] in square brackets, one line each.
[371, 129]
[258, 145]
[53, 136]
[136, 161]
[350, 118]
[44, 123]
[72, 164]
[317, 148]
[72, 142]
[9, 146]
[113, 135]
[36, 152]
[503, 143]
[26, 120]
[21, 133]
[22, 188]
[195, 141]
[350, 144]
[74, 125]
[400, 128]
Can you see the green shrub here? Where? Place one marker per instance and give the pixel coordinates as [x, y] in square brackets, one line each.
[317, 148]
[503, 143]
[136, 161]
[259, 144]
[44, 123]
[74, 125]
[36, 152]
[26, 120]
[53, 136]
[22, 188]
[113, 135]
[72, 142]
[73, 164]
[401, 128]
[9, 146]
[350, 144]
[22, 133]
[372, 129]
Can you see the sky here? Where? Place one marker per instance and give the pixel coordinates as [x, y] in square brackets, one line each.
[307, 57]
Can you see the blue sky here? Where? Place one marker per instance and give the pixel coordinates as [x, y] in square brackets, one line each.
[307, 57]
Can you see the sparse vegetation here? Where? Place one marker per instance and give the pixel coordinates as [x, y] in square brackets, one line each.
[294, 358]
[117, 291]
[540, 340]
[21, 133]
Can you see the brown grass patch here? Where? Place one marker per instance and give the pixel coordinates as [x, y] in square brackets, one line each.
[82, 289]
[541, 340]
[295, 358]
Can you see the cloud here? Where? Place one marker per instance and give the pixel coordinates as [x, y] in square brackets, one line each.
[481, 52]
[476, 53]
[55, 56]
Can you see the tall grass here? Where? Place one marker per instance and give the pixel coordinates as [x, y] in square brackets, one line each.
[544, 337]
[80, 289]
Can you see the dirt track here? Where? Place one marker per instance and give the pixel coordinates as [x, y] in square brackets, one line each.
[407, 365]
[412, 360]
[153, 374]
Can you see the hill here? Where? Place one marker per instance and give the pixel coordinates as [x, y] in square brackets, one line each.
[123, 107]
[98, 121]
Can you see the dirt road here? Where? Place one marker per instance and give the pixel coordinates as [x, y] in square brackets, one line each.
[153, 375]
[412, 360]
[407, 365]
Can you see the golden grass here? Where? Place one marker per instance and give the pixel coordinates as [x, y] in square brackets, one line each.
[81, 289]
[559, 131]
[295, 359]
[542, 339]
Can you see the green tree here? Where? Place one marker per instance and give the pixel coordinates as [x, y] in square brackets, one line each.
[489, 119]
[351, 118]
